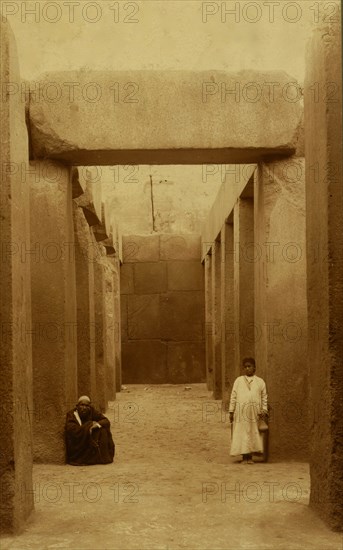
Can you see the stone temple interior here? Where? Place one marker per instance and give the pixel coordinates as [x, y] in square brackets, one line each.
[158, 226]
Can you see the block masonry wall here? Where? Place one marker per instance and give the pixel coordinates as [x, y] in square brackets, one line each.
[163, 310]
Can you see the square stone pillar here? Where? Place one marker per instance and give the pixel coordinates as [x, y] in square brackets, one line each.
[117, 326]
[324, 223]
[99, 313]
[54, 346]
[227, 311]
[216, 320]
[85, 257]
[110, 330]
[280, 303]
[243, 226]
[208, 321]
[16, 498]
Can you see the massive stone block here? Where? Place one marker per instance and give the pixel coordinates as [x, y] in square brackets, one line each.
[150, 277]
[54, 315]
[216, 320]
[16, 498]
[208, 321]
[185, 275]
[228, 344]
[162, 300]
[145, 362]
[124, 317]
[137, 248]
[86, 332]
[179, 247]
[143, 316]
[121, 117]
[243, 252]
[100, 327]
[182, 315]
[127, 285]
[280, 328]
[324, 222]
[185, 362]
[112, 328]
[117, 322]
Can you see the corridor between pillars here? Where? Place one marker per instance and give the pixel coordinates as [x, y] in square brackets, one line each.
[255, 270]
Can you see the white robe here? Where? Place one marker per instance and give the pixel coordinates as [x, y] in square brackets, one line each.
[247, 404]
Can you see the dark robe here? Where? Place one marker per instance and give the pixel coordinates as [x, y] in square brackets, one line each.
[84, 448]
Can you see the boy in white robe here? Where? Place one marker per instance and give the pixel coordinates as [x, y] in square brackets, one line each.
[248, 403]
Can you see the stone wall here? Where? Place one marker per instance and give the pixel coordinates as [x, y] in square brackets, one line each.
[16, 497]
[324, 210]
[54, 318]
[163, 311]
[280, 330]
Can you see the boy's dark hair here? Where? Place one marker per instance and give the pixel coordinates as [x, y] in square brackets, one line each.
[249, 360]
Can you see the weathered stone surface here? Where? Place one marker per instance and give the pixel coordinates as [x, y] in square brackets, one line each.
[141, 248]
[117, 322]
[86, 329]
[150, 277]
[143, 316]
[280, 303]
[182, 316]
[185, 362]
[124, 318]
[111, 330]
[243, 253]
[208, 321]
[145, 362]
[217, 328]
[77, 189]
[172, 316]
[324, 221]
[121, 117]
[185, 275]
[126, 274]
[15, 299]
[179, 247]
[54, 315]
[90, 180]
[228, 343]
[99, 318]
[223, 205]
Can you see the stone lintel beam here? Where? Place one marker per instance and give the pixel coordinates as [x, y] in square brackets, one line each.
[121, 117]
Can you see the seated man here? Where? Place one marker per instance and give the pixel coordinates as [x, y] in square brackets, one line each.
[88, 436]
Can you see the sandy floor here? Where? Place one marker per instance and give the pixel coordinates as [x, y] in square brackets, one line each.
[172, 485]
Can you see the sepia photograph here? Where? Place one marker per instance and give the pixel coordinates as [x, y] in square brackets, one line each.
[171, 368]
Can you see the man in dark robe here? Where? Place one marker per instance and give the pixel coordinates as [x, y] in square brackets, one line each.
[88, 436]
